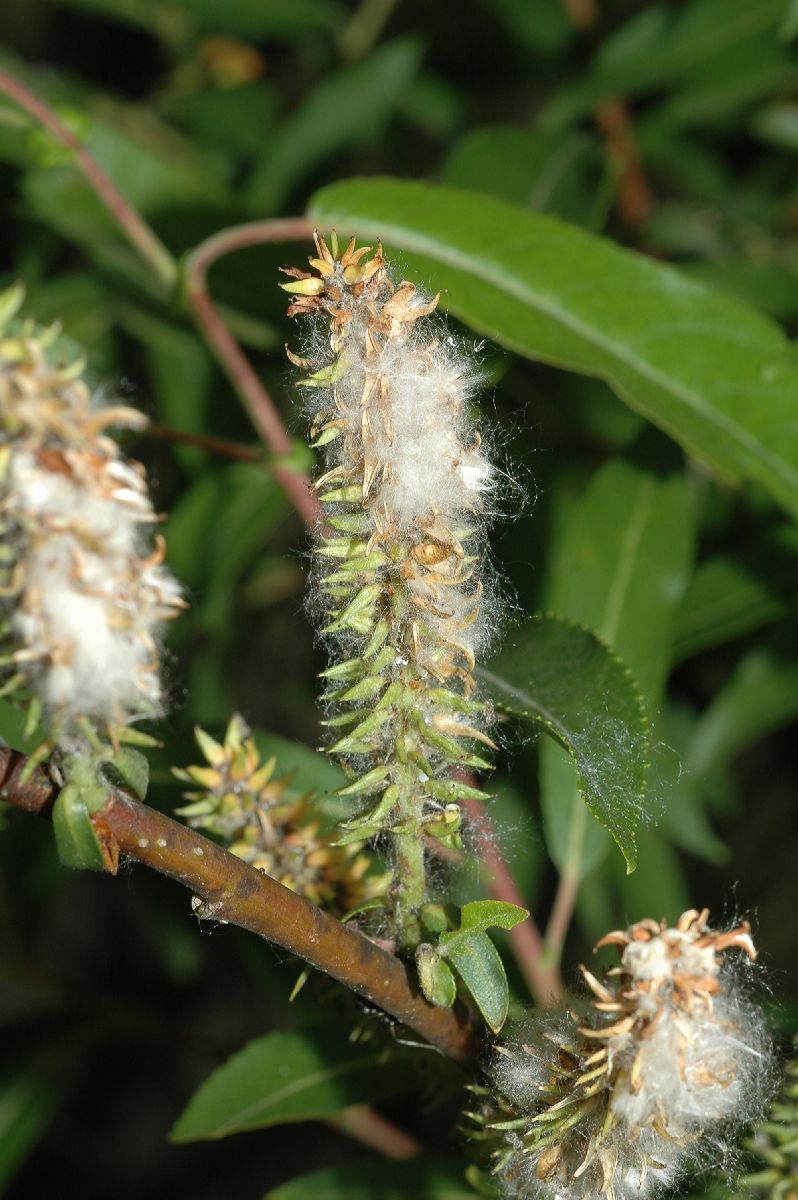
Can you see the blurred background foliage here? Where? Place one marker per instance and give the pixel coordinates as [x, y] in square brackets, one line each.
[669, 127]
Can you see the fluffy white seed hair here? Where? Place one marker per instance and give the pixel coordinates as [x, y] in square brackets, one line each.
[92, 598]
[675, 1059]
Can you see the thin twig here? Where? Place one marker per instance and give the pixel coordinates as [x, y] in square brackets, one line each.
[221, 446]
[364, 28]
[368, 1127]
[233, 892]
[562, 911]
[135, 228]
[231, 357]
[542, 976]
[634, 194]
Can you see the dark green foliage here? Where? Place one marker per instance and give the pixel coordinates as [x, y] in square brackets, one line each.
[642, 392]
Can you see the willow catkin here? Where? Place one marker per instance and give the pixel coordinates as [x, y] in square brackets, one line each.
[85, 590]
[400, 575]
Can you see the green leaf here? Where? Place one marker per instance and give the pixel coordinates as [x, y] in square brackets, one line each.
[132, 770]
[760, 697]
[658, 46]
[350, 108]
[543, 171]
[478, 963]
[543, 26]
[288, 19]
[27, 1101]
[479, 915]
[472, 954]
[734, 594]
[13, 722]
[568, 683]
[214, 532]
[180, 368]
[290, 1077]
[75, 837]
[436, 979]
[658, 887]
[620, 567]
[687, 794]
[429, 1179]
[623, 562]
[717, 377]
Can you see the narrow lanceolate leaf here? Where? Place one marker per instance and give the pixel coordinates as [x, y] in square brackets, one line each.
[289, 1077]
[562, 678]
[720, 379]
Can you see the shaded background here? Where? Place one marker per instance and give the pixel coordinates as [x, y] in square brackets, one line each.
[673, 129]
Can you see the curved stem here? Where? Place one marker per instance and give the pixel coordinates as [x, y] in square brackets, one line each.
[233, 891]
[232, 359]
[135, 228]
[145, 241]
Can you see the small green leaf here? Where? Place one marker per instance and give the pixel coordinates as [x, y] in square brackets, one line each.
[290, 1077]
[566, 681]
[131, 769]
[75, 837]
[437, 981]
[428, 1178]
[478, 963]
[480, 915]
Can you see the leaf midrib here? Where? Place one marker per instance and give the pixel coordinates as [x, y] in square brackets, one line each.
[246, 1116]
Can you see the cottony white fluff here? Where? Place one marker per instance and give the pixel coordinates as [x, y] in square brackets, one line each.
[91, 604]
[675, 1059]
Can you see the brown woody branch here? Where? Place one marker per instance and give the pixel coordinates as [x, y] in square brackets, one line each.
[232, 891]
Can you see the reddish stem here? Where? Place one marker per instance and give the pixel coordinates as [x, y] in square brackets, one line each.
[135, 228]
[542, 977]
[634, 194]
[561, 913]
[368, 1127]
[233, 360]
